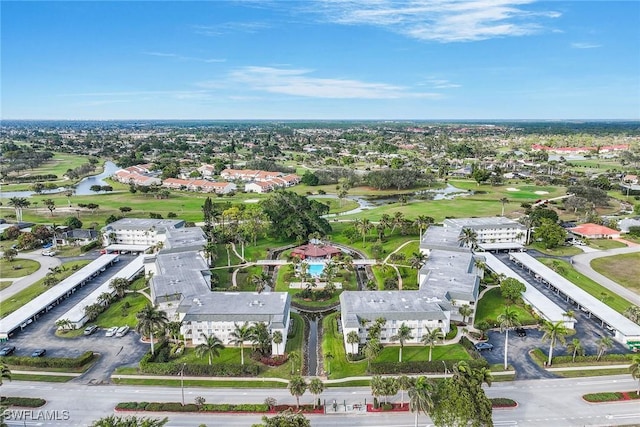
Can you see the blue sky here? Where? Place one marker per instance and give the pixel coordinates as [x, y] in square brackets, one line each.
[324, 59]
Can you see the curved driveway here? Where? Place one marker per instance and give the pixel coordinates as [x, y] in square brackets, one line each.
[582, 263]
[46, 262]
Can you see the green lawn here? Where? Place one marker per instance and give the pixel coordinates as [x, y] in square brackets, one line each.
[36, 289]
[623, 269]
[18, 268]
[563, 268]
[332, 343]
[116, 315]
[58, 165]
[604, 244]
[415, 353]
[559, 251]
[491, 305]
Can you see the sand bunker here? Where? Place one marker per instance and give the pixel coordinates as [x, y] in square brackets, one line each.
[542, 192]
[512, 189]
[252, 200]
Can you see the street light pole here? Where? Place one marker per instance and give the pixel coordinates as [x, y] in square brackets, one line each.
[182, 381]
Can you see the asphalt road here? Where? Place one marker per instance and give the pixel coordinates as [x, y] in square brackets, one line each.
[551, 402]
[46, 262]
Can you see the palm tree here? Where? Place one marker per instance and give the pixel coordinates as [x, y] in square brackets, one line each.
[64, 324]
[297, 387]
[5, 373]
[19, 203]
[239, 336]
[93, 311]
[294, 360]
[604, 344]
[483, 375]
[353, 338]
[554, 332]
[328, 356]
[468, 237]
[508, 320]
[261, 338]
[422, 222]
[151, 319]
[504, 201]
[421, 397]
[404, 384]
[431, 337]
[119, 285]
[363, 225]
[210, 347]
[261, 281]
[277, 340]
[417, 260]
[634, 369]
[105, 298]
[404, 334]
[575, 347]
[173, 329]
[465, 311]
[371, 351]
[316, 387]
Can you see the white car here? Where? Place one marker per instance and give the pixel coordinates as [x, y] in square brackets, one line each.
[111, 331]
[122, 331]
[48, 253]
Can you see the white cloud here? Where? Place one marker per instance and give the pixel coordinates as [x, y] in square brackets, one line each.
[440, 84]
[182, 57]
[439, 20]
[230, 27]
[298, 82]
[580, 45]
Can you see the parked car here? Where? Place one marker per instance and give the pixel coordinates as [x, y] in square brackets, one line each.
[111, 331]
[39, 352]
[48, 252]
[122, 331]
[7, 350]
[521, 332]
[90, 329]
[484, 346]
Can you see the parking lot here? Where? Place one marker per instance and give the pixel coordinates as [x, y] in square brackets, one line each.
[113, 351]
[588, 331]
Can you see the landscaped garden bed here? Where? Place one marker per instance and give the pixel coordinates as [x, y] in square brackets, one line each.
[503, 402]
[23, 402]
[245, 408]
[613, 396]
[388, 407]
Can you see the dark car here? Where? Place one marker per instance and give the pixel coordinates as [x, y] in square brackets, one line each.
[484, 346]
[39, 352]
[8, 350]
[521, 332]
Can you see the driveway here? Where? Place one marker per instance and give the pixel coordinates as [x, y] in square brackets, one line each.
[46, 262]
[114, 351]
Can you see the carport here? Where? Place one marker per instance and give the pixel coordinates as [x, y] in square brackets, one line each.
[625, 331]
[44, 302]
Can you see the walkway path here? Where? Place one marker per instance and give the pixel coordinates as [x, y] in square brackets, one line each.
[19, 284]
[395, 267]
[582, 263]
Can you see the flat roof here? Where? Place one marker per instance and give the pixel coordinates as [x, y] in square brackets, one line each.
[591, 303]
[544, 305]
[180, 273]
[13, 321]
[450, 275]
[500, 246]
[143, 224]
[270, 307]
[130, 248]
[76, 314]
[490, 221]
[438, 237]
[186, 237]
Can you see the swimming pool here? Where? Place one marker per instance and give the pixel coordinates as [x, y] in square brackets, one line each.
[315, 269]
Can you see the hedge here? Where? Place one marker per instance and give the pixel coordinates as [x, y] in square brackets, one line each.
[25, 402]
[419, 367]
[89, 246]
[567, 360]
[191, 407]
[49, 362]
[503, 402]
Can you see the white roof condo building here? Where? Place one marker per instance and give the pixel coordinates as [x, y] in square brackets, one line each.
[138, 231]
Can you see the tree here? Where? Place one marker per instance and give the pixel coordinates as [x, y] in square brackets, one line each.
[465, 311]
[403, 335]
[468, 238]
[93, 311]
[504, 201]
[151, 319]
[261, 281]
[18, 204]
[105, 298]
[363, 225]
[550, 233]
[508, 320]
[512, 289]
[634, 369]
[5, 373]
[64, 324]
[353, 338]
[417, 260]
[72, 222]
[632, 313]
[431, 337]
[371, 351]
[604, 344]
[297, 387]
[130, 421]
[277, 340]
[119, 285]
[50, 204]
[285, 419]
[295, 216]
[294, 360]
[316, 387]
[404, 384]
[240, 334]
[421, 397]
[575, 347]
[554, 332]
[10, 254]
[210, 347]
[328, 356]
[261, 338]
[422, 222]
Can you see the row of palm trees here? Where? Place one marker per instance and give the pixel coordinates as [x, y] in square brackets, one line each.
[364, 225]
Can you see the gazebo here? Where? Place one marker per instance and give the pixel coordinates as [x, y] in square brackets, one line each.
[315, 251]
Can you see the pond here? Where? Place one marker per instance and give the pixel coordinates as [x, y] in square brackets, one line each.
[83, 188]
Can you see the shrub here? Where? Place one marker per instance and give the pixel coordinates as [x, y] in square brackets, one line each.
[50, 362]
[25, 402]
[418, 367]
[603, 397]
[503, 402]
[89, 246]
[387, 407]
